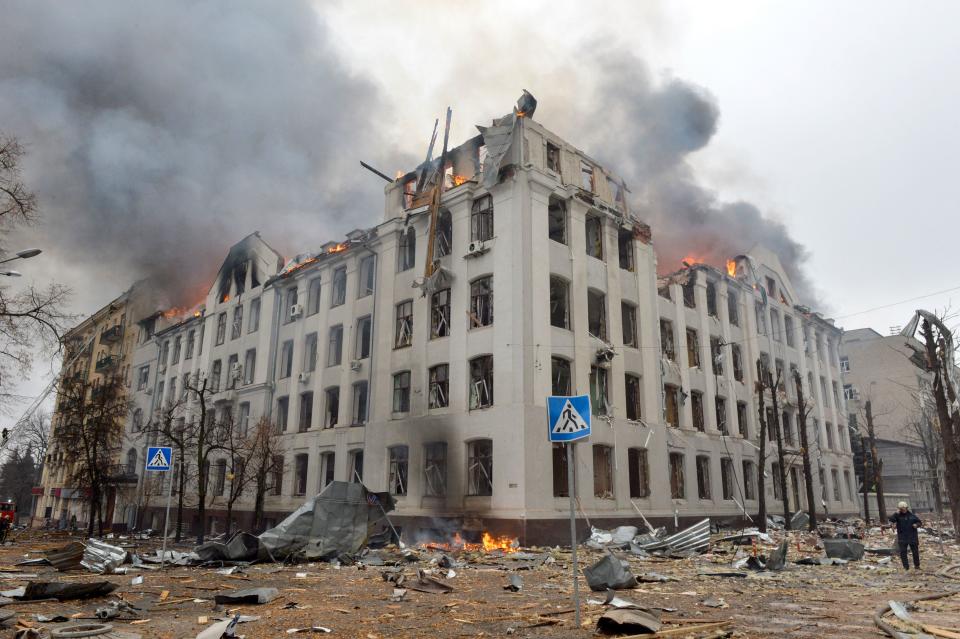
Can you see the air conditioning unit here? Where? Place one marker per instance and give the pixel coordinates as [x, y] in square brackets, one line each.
[303, 378]
[355, 364]
[296, 311]
[477, 247]
[605, 355]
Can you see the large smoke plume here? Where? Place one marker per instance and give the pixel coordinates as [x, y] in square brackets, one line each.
[645, 129]
[160, 133]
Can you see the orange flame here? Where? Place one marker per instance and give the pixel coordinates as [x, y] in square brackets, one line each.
[459, 179]
[176, 311]
[692, 259]
[488, 543]
[337, 248]
[225, 298]
[196, 313]
[400, 174]
[504, 543]
[731, 268]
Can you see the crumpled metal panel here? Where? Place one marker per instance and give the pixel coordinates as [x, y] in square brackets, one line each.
[101, 557]
[695, 538]
[67, 557]
[498, 139]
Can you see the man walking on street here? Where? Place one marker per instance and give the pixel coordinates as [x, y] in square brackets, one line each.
[907, 524]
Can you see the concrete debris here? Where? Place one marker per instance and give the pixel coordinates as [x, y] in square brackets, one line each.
[800, 520]
[778, 558]
[609, 573]
[843, 549]
[225, 629]
[515, 583]
[629, 620]
[426, 583]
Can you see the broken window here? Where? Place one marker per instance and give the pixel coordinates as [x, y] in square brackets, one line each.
[403, 332]
[188, 353]
[399, 466]
[666, 340]
[703, 477]
[557, 220]
[733, 308]
[696, 406]
[749, 480]
[788, 329]
[689, 291]
[586, 176]
[407, 250]
[632, 383]
[829, 428]
[481, 302]
[306, 412]
[616, 191]
[235, 329]
[359, 403]
[339, 293]
[727, 478]
[310, 353]
[847, 483]
[771, 288]
[602, 471]
[253, 322]
[720, 405]
[480, 467]
[693, 348]
[409, 190]
[639, 473]
[560, 379]
[712, 299]
[233, 373]
[440, 313]
[664, 292]
[221, 333]
[444, 234]
[553, 158]
[823, 392]
[313, 296]
[243, 419]
[276, 475]
[137, 420]
[300, 465]
[219, 477]
[594, 236]
[628, 320]
[335, 345]
[559, 302]
[737, 362]
[435, 469]
[835, 479]
[332, 415]
[597, 314]
[677, 488]
[401, 392]
[439, 386]
[836, 395]
[367, 276]
[356, 466]
[599, 390]
[716, 355]
[775, 324]
[215, 373]
[481, 219]
[283, 410]
[672, 405]
[292, 310]
[362, 346]
[823, 484]
[742, 419]
[761, 319]
[176, 348]
[249, 365]
[560, 483]
[625, 248]
[787, 428]
[481, 382]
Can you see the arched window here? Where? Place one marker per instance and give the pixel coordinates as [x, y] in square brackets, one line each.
[132, 461]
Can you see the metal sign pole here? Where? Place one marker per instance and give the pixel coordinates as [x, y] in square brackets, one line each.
[573, 533]
[166, 519]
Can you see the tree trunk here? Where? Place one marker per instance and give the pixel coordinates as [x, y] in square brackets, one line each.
[877, 466]
[761, 455]
[805, 451]
[229, 517]
[182, 481]
[778, 432]
[948, 427]
[258, 503]
[866, 485]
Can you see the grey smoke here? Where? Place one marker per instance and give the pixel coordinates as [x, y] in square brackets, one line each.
[645, 129]
[160, 133]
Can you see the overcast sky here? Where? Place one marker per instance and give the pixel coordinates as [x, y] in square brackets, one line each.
[837, 119]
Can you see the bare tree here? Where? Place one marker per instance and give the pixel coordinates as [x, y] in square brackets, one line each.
[263, 465]
[803, 412]
[781, 477]
[32, 318]
[763, 382]
[238, 444]
[169, 426]
[91, 427]
[34, 433]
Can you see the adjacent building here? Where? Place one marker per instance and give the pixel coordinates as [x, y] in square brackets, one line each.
[417, 355]
[890, 372]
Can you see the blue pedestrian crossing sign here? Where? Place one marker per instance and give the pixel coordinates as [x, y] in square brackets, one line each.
[159, 458]
[568, 418]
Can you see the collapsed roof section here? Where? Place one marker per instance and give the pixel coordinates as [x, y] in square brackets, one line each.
[249, 263]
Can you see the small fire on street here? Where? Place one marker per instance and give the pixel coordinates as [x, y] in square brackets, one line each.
[488, 543]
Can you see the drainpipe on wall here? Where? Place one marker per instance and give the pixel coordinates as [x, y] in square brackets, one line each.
[272, 346]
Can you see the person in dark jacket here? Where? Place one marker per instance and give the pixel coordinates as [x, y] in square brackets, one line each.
[907, 524]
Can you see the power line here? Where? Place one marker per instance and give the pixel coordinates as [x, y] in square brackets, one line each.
[912, 299]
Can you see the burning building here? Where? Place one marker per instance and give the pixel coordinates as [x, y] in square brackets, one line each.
[417, 355]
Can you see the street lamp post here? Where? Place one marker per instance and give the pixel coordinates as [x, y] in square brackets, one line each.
[22, 255]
